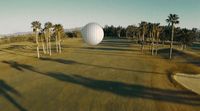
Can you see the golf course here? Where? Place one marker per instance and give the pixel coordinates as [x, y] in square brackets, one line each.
[112, 76]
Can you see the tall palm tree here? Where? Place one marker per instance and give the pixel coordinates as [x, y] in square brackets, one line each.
[58, 30]
[172, 20]
[143, 27]
[36, 25]
[119, 29]
[47, 28]
[42, 39]
[157, 35]
[151, 32]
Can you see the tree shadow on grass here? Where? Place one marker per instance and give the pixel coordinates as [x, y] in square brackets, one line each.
[59, 60]
[118, 88]
[130, 90]
[22, 67]
[18, 66]
[4, 89]
[180, 54]
[63, 61]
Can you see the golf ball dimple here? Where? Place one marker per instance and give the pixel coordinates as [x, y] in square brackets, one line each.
[92, 33]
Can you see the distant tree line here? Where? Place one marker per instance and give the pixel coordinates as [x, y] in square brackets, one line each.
[154, 33]
[182, 35]
[17, 38]
[73, 34]
[31, 37]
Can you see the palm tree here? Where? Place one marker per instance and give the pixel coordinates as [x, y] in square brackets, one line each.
[36, 25]
[153, 30]
[58, 30]
[151, 33]
[119, 29]
[143, 27]
[158, 32]
[47, 28]
[172, 20]
[42, 39]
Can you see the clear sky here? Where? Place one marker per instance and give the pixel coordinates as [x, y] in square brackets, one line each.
[16, 15]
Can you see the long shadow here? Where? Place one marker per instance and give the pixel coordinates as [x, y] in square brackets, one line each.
[59, 60]
[118, 88]
[63, 61]
[179, 54]
[4, 89]
[18, 66]
[130, 90]
[22, 67]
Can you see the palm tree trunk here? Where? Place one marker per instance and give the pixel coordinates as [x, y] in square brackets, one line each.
[37, 42]
[152, 49]
[182, 46]
[142, 48]
[60, 50]
[156, 47]
[43, 46]
[157, 38]
[150, 43]
[59, 42]
[185, 46]
[171, 44]
[56, 43]
[47, 44]
[50, 45]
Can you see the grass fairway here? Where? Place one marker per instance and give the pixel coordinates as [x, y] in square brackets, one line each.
[113, 76]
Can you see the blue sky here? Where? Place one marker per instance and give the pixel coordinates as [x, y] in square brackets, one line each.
[16, 15]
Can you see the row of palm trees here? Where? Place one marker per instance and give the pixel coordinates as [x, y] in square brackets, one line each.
[46, 35]
[153, 30]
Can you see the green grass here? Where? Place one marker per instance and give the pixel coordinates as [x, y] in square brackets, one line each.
[113, 76]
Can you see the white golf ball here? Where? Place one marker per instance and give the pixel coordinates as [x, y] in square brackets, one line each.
[92, 33]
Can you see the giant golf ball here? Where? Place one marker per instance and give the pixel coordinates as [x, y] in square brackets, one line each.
[92, 33]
